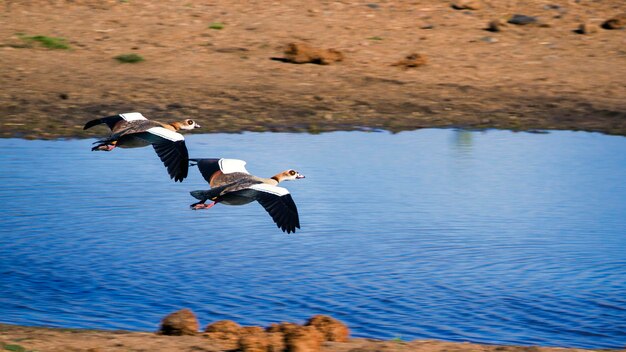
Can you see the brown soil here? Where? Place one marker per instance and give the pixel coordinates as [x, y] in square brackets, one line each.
[538, 76]
[75, 340]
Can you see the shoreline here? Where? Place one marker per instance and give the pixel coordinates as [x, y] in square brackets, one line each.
[49, 339]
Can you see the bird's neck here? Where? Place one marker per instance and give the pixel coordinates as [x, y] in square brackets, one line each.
[275, 179]
[174, 126]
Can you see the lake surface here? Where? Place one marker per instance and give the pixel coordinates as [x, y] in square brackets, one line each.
[490, 237]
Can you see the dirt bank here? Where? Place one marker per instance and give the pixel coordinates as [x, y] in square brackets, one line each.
[12, 338]
[212, 61]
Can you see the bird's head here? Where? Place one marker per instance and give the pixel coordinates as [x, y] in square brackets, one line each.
[290, 175]
[188, 124]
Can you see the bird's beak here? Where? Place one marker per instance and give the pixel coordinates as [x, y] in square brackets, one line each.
[197, 126]
[300, 176]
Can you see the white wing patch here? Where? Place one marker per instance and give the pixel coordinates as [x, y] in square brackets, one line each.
[165, 133]
[263, 187]
[133, 116]
[228, 166]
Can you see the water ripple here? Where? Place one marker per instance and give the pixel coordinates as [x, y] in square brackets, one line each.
[507, 238]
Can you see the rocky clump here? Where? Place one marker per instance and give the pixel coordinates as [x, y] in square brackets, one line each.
[617, 22]
[282, 327]
[224, 326]
[304, 339]
[411, 60]
[332, 329]
[262, 342]
[251, 330]
[225, 330]
[467, 5]
[253, 343]
[278, 337]
[301, 53]
[182, 322]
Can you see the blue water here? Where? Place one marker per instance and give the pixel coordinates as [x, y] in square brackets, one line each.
[490, 237]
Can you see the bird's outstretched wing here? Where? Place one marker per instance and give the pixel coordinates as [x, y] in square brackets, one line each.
[171, 149]
[277, 202]
[111, 121]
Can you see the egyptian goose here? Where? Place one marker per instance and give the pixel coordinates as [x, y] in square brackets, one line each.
[132, 130]
[231, 184]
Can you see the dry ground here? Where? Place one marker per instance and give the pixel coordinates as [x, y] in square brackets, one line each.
[525, 77]
[74, 340]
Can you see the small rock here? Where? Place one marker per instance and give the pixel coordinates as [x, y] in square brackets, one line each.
[412, 60]
[276, 342]
[467, 5]
[182, 322]
[224, 326]
[253, 343]
[331, 328]
[617, 22]
[427, 26]
[496, 25]
[301, 53]
[282, 327]
[251, 330]
[489, 39]
[586, 28]
[223, 336]
[522, 20]
[304, 339]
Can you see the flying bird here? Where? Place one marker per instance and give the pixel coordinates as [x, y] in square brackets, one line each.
[232, 184]
[133, 130]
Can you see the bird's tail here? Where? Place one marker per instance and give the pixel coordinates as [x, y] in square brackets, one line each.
[201, 195]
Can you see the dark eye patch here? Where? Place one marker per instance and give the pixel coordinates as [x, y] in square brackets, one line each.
[292, 172]
[190, 122]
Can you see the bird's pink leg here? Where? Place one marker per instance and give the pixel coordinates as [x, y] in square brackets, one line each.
[202, 206]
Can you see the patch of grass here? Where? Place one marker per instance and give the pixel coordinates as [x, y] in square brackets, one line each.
[48, 42]
[129, 58]
[216, 25]
[14, 348]
[375, 38]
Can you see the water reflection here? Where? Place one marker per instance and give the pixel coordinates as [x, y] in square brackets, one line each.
[463, 141]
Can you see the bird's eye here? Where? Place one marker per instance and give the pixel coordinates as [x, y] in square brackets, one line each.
[190, 122]
[291, 172]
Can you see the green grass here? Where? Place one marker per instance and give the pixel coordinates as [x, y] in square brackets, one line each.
[216, 25]
[14, 348]
[129, 58]
[48, 42]
[375, 38]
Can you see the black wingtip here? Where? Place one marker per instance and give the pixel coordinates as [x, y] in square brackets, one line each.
[92, 123]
